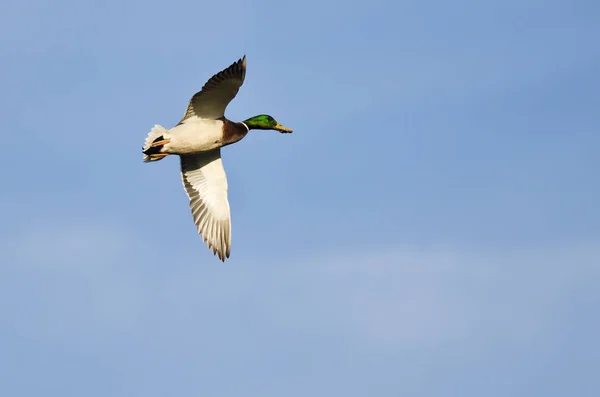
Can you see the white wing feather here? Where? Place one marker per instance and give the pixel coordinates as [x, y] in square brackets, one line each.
[205, 183]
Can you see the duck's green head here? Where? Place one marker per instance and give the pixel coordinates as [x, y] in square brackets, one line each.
[265, 122]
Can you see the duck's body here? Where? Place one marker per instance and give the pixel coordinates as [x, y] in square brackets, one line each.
[200, 135]
[198, 139]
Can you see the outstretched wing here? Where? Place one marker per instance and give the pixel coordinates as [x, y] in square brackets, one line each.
[219, 90]
[205, 183]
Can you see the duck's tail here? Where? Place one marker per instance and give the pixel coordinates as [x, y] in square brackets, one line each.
[154, 144]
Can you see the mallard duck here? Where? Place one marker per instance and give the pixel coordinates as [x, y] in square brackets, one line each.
[197, 139]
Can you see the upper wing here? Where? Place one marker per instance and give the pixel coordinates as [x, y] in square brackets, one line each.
[205, 183]
[219, 90]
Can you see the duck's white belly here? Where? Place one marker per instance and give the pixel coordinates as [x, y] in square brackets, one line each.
[195, 135]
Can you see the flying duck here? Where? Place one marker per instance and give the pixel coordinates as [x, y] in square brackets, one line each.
[197, 139]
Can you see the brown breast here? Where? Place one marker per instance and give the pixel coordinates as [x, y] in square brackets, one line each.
[233, 131]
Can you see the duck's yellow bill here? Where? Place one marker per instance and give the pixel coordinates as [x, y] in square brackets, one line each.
[281, 128]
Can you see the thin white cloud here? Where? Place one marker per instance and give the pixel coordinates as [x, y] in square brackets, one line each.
[64, 280]
[96, 281]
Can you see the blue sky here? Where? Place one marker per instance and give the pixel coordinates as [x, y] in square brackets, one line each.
[431, 228]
